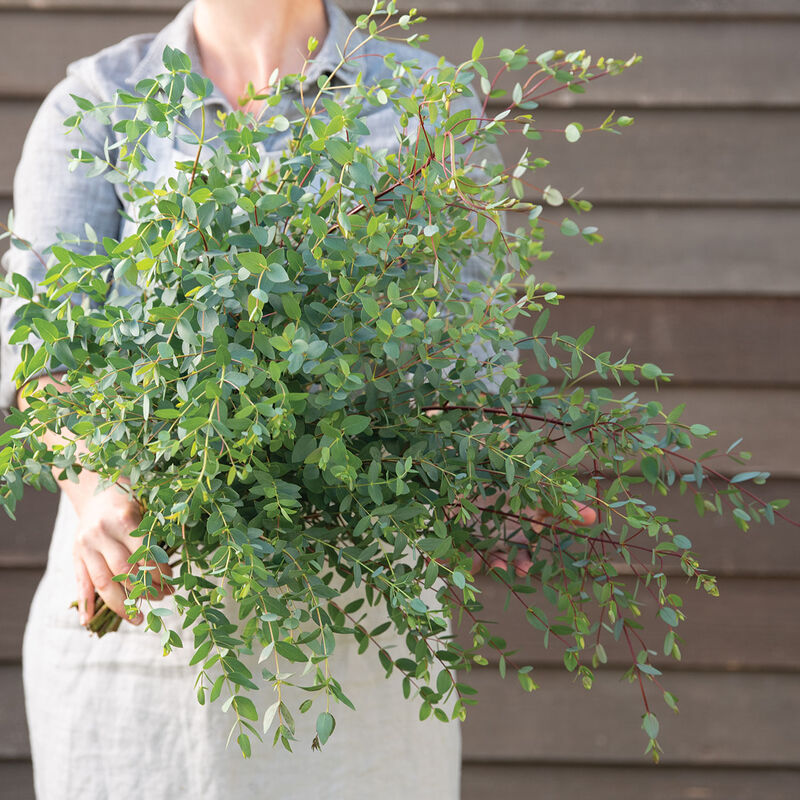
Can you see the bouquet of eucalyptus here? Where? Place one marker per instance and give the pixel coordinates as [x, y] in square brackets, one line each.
[306, 393]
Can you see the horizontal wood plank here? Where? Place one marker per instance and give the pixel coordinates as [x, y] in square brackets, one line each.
[580, 8]
[13, 726]
[690, 337]
[36, 47]
[479, 781]
[686, 157]
[685, 63]
[723, 549]
[736, 719]
[746, 628]
[763, 421]
[16, 778]
[715, 252]
[767, 421]
[547, 782]
[672, 250]
[592, 8]
[765, 551]
[24, 542]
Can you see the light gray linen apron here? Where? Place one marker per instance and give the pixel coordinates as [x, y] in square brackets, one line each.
[115, 718]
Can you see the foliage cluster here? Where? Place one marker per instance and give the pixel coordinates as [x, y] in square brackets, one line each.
[306, 394]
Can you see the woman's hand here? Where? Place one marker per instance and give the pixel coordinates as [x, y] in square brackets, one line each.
[102, 547]
[497, 557]
[103, 542]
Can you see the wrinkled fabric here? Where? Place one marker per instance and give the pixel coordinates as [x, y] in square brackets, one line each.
[114, 717]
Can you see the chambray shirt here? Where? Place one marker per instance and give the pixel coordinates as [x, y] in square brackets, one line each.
[49, 198]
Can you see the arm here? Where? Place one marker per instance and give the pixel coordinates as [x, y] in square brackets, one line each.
[102, 540]
[49, 198]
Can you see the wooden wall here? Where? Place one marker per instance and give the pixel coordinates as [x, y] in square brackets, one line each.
[699, 273]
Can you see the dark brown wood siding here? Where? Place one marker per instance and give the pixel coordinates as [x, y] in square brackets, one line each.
[699, 272]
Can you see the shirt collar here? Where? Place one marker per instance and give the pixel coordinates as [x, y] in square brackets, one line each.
[179, 33]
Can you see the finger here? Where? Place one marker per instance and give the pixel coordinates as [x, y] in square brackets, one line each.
[160, 574]
[477, 563]
[112, 593]
[535, 517]
[523, 562]
[497, 560]
[121, 524]
[117, 556]
[121, 529]
[518, 537]
[85, 592]
[158, 579]
[588, 514]
[522, 558]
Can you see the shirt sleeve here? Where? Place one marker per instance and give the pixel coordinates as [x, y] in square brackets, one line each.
[49, 198]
